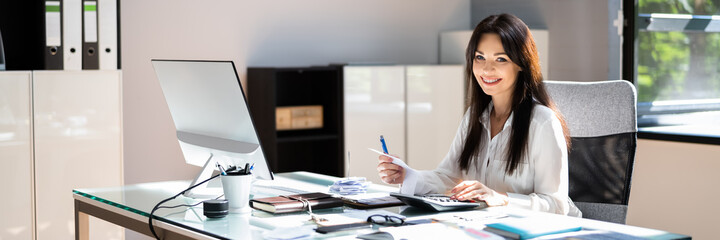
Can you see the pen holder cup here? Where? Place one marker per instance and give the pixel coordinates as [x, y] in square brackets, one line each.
[237, 192]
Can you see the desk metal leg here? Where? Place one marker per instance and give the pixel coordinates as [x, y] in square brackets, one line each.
[82, 232]
[84, 210]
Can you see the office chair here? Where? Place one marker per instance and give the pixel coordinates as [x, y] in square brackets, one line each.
[602, 120]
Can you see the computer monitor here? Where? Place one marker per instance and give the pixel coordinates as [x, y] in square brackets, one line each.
[211, 117]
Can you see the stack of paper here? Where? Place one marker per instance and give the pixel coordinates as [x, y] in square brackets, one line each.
[350, 186]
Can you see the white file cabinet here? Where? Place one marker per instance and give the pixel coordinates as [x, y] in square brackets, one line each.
[16, 155]
[416, 108]
[66, 134]
[374, 106]
[435, 105]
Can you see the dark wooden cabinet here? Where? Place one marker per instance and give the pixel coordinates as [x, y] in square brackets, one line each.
[317, 150]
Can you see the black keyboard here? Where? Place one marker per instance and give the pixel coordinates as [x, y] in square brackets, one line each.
[437, 202]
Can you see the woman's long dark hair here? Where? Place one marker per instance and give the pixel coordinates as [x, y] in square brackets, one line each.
[519, 45]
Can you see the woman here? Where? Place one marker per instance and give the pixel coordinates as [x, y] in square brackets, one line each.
[511, 147]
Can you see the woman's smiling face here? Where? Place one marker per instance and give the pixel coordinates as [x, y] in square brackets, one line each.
[492, 67]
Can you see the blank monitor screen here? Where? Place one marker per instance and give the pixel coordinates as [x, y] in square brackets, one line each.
[211, 116]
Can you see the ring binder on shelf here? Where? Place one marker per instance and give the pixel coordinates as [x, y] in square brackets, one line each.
[72, 34]
[108, 34]
[90, 35]
[53, 35]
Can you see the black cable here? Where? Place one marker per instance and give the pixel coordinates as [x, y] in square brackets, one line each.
[181, 205]
[187, 205]
[157, 206]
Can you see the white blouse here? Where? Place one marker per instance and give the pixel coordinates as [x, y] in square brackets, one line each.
[539, 183]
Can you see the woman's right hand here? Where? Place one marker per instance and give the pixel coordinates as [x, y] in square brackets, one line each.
[390, 173]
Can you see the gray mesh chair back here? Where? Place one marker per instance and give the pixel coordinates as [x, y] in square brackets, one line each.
[602, 120]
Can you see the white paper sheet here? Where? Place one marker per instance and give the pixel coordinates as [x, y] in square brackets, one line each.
[426, 231]
[471, 219]
[296, 233]
[411, 175]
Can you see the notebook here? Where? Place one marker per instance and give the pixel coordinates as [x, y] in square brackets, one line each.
[531, 227]
[371, 200]
[295, 203]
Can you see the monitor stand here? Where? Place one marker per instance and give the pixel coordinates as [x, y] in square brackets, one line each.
[204, 191]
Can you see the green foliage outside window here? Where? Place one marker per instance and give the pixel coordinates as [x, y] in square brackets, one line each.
[695, 7]
[678, 65]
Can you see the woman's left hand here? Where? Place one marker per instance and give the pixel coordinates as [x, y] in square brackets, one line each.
[474, 190]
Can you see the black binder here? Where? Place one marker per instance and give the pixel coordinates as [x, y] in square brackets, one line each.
[53, 35]
[90, 55]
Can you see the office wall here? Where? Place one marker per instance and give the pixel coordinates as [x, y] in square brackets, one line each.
[674, 188]
[581, 47]
[259, 33]
[673, 182]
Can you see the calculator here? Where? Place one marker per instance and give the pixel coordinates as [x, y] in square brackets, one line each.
[437, 202]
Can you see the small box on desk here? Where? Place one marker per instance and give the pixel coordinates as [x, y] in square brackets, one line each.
[299, 117]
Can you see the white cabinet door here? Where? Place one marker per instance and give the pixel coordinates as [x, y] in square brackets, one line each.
[435, 105]
[77, 116]
[374, 106]
[16, 156]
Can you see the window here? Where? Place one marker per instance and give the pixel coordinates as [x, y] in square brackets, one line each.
[676, 58]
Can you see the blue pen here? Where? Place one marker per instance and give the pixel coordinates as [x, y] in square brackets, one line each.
[382, 140]
[222, 171]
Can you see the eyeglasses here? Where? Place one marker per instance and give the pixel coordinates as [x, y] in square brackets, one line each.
[385, 220]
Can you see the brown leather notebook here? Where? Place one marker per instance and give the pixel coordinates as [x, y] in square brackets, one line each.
[296, 203]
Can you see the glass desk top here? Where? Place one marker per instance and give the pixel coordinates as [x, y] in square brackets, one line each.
[141, 198]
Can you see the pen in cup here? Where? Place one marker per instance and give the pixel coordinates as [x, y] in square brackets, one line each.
[384, 146]
[222, 171]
